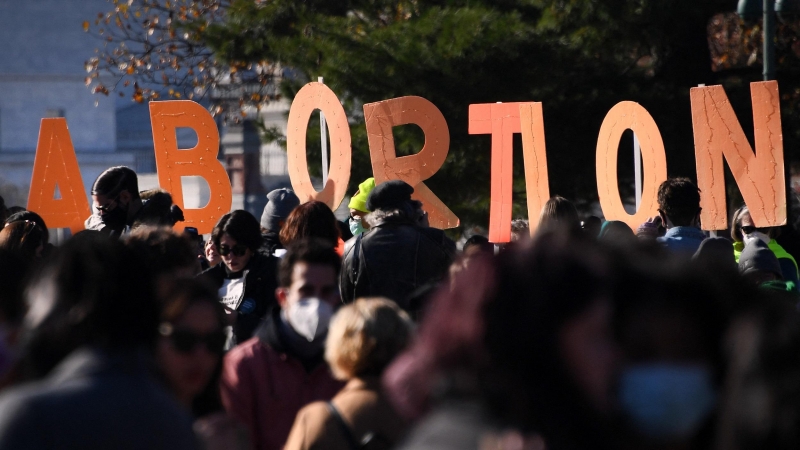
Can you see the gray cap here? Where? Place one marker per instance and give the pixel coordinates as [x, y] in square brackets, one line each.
[757, 256]
[280, 203]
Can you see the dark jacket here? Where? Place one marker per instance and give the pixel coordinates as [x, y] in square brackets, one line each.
[269, 243]
[94, 400]
[263, 386]
[261, 280]
[392, 259]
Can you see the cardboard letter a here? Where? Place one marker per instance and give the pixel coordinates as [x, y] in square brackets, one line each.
[55, 164]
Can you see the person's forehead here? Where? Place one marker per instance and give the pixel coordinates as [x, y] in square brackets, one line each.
[227, 239]
[101, 199]
[317, 274]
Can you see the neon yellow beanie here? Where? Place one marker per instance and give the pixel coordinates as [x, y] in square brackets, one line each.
[359, 201]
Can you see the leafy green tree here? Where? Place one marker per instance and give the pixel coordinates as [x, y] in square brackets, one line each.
[578, 57]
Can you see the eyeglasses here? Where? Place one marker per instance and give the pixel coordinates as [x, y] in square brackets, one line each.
[186, 341]
[107, 207]
[29, 227]
[238, 250]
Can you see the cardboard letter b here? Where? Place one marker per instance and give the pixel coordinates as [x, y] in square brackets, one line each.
[55, 164]
[172, 164]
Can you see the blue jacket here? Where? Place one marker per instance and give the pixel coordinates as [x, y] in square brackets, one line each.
[94, 400]
[683, 239]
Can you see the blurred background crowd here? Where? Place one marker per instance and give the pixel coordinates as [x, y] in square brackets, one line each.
[297, 331]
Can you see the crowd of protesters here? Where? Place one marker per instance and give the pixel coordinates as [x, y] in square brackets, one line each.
[298, 331]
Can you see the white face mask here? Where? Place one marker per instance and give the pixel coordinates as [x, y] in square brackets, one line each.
[310, 317]
[756, 235]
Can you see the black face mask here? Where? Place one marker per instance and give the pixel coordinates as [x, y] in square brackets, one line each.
[116, 218]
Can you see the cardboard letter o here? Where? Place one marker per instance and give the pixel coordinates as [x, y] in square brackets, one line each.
[623, 116]
[318, 96]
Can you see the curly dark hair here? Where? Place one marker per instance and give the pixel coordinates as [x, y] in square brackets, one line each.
[679, 200]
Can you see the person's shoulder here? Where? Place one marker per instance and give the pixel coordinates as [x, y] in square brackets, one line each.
[438, 236]
[248, 349]
[94, 223]
[21, 399]
[21, 417]
[315, 411]
[263, 264]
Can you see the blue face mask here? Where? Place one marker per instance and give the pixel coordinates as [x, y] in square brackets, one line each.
[355, 226]
[667, 401]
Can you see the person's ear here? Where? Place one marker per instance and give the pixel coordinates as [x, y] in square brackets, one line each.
[663, 218]
[281, 295]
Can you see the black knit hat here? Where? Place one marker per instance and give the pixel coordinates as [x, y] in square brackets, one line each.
[756, 256]
[390, 194]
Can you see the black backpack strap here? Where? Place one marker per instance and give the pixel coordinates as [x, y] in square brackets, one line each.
[346, 431]
[356, 263]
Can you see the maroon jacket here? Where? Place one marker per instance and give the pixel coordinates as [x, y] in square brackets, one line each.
[264, 387]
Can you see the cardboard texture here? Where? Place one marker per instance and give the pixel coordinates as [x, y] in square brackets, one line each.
[759, 174]
[632, 116]
[380, 117]
[537, 186]
[55, 165]
[173, 163]
[502, 120]
[318, 96]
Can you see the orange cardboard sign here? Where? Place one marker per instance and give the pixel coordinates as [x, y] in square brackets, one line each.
[759, 174]
[55, 166]
[380, 117]
[629, 116]
[537, 186]
[502, 120]
[173, 163]
[318, 96]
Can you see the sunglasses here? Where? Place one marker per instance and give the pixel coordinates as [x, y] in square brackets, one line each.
[107, 207]
[238, 250]
[186, 341]
[748, 229]
[30, 226]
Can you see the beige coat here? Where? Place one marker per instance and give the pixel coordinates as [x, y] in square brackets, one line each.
[362, 406]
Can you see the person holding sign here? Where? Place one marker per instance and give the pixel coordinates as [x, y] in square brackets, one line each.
[115, 197]
[358, 208]
[679, 209]
[246, 278]
[400, 252]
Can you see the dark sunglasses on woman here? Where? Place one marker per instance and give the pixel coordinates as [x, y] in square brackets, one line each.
[238, 250]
